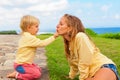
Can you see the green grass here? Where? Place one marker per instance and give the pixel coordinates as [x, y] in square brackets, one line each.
[57, 63]
[110, 48]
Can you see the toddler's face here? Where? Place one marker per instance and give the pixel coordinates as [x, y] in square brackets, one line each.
[33, 29]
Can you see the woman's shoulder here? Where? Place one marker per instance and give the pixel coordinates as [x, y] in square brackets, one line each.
[81, 34]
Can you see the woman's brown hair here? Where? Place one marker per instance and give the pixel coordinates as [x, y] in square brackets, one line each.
[76, 26]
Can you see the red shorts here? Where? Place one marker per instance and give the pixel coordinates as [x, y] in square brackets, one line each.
[27, 71]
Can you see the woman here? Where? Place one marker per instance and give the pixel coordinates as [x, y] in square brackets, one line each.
[82, 54]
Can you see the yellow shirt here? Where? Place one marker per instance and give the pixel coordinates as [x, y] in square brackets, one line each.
[85, 58]
[27, 47]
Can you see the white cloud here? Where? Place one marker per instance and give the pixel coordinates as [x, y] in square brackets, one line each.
[88, 5]
[117, 16]
[5, 2]
[49, 11]
[48, 7]
[12, 10]
[13, 13]
[104, 17]
[2, 10]
[27, 1]
[105, 8]
[18, 2]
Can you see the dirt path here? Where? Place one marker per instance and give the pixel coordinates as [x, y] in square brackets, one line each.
[8, 47]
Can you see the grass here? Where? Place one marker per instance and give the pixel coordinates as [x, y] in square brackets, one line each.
[110, 48]
[57, 63]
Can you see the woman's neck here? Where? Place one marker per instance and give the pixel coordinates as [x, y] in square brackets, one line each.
[66, 37]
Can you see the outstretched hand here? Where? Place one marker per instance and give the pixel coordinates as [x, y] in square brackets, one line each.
[56, 34]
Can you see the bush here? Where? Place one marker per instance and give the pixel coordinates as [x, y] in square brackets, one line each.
[8, 32]
[90, 32]
[111, 35]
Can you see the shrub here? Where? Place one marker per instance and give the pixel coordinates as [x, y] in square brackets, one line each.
[8, 32]
[111, 35]
[90, 32]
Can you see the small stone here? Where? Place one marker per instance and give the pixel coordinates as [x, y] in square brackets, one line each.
[2, 53]
[9, 63]
[2, 59]
[10, 56]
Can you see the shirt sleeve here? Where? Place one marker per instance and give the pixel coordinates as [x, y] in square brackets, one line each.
[73, 71]
[33, 41]
[85, 52]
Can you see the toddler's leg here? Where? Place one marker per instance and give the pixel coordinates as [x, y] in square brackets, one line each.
[12, 75]
[32, 72]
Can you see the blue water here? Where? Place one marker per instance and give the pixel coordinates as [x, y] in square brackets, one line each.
[106, 30]
[97, 30]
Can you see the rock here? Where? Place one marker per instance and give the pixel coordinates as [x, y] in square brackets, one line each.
[9, 63]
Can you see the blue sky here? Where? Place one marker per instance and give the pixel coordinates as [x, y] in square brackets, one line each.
[93, 13]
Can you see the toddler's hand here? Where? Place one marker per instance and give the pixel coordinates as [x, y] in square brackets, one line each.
[56, 34]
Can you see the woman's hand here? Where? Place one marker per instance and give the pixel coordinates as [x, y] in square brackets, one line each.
[67, 77]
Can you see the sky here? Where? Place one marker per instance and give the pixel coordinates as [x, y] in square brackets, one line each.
[93, 13]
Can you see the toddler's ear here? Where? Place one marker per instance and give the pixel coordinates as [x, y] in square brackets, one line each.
[28, 27]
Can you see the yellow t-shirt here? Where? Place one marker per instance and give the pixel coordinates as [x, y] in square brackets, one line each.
[85, 58]
[27, 47]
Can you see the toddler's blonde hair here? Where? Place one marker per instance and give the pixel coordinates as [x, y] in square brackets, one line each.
[27, 21]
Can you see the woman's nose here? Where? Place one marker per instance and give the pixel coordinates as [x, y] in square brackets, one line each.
[57, 26]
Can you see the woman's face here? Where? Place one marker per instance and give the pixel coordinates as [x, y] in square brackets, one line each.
[62, 27]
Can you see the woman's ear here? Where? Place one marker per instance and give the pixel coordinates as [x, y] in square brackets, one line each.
[70, 29]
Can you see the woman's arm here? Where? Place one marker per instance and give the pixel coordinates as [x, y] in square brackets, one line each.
[73, 71]
[85, 52]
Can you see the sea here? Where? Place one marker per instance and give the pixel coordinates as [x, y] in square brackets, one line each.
[100, 30]
[103, 30]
